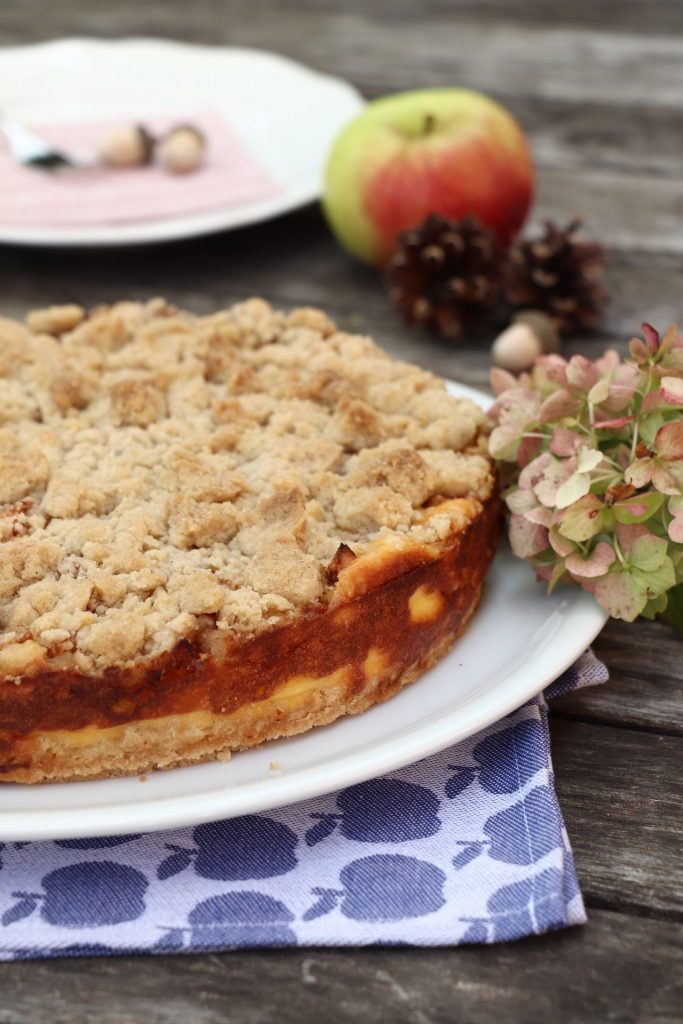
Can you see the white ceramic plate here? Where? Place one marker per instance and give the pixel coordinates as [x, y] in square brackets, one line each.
[287, 115]
[518, 642]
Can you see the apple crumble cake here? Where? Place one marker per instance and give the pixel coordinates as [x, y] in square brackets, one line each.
[219, 530]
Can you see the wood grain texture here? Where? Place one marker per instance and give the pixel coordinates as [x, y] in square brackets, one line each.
[598, 87]
[646, 688]
[621, 791]
[375, 44]
[571, 978]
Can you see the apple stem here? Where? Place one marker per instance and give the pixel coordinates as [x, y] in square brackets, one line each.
[429, 124]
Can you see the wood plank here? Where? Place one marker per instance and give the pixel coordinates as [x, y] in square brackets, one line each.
[551, 58]
[511, 59]
[646, 680]
[622, 792]
[621, 969]
[634, 211]
[621, 140]
[623, 15]
[80, 17]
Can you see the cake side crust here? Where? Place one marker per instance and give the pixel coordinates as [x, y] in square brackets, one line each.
[197, 707]
[140, 747]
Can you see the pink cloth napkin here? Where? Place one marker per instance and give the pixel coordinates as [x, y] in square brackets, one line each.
[33, 198]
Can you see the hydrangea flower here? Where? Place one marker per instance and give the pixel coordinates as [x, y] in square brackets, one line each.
[590, 456]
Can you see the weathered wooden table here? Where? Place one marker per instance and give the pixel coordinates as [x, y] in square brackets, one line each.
[598, 84]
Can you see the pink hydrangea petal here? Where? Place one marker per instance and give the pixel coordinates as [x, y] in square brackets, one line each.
[581, 373]
[639, 473]
[583, 519]
[676, 529]
[671, 339]
[520, 501]
[615, 424]
[645, 551]
[629, 533]
[639, 350]
[599, 392]
[638, 509]
[560, 545]
[653, 400]
[503, 443]
[618, 595]
[619, 398]
[608, 361]
[671, 390]
[516, 405]
[651, 336]
[564, 441]
[673, 360]
[648, 553]
[664, 479]
[622, 388]
[597, 563]
[575, 487]
[669, 440]
[557, 406]
[529, 447]
[588, 459]
[535, 469]
[540, 515]
[551, 368]
[635, 508]
[526, 539]
[553, 478]
[501, 380]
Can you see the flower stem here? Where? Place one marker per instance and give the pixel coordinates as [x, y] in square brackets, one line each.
[618, 551]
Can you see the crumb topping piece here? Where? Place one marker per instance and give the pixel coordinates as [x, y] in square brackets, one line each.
[162, 473]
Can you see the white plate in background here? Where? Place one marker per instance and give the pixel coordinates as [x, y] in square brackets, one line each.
[286, 114]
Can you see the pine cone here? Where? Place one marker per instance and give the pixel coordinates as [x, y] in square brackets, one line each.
[558, 276]
[446, 275]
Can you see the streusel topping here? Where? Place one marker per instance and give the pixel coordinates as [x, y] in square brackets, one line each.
[160, 472]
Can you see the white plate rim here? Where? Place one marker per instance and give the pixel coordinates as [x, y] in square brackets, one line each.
[280, 790]
[192, 225]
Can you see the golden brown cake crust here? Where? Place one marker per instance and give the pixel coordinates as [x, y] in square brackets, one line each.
[218, 529]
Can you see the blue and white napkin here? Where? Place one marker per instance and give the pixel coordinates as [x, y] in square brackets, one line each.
[467, 846]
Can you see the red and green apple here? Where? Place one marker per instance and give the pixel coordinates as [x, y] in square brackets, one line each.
[449, 151]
